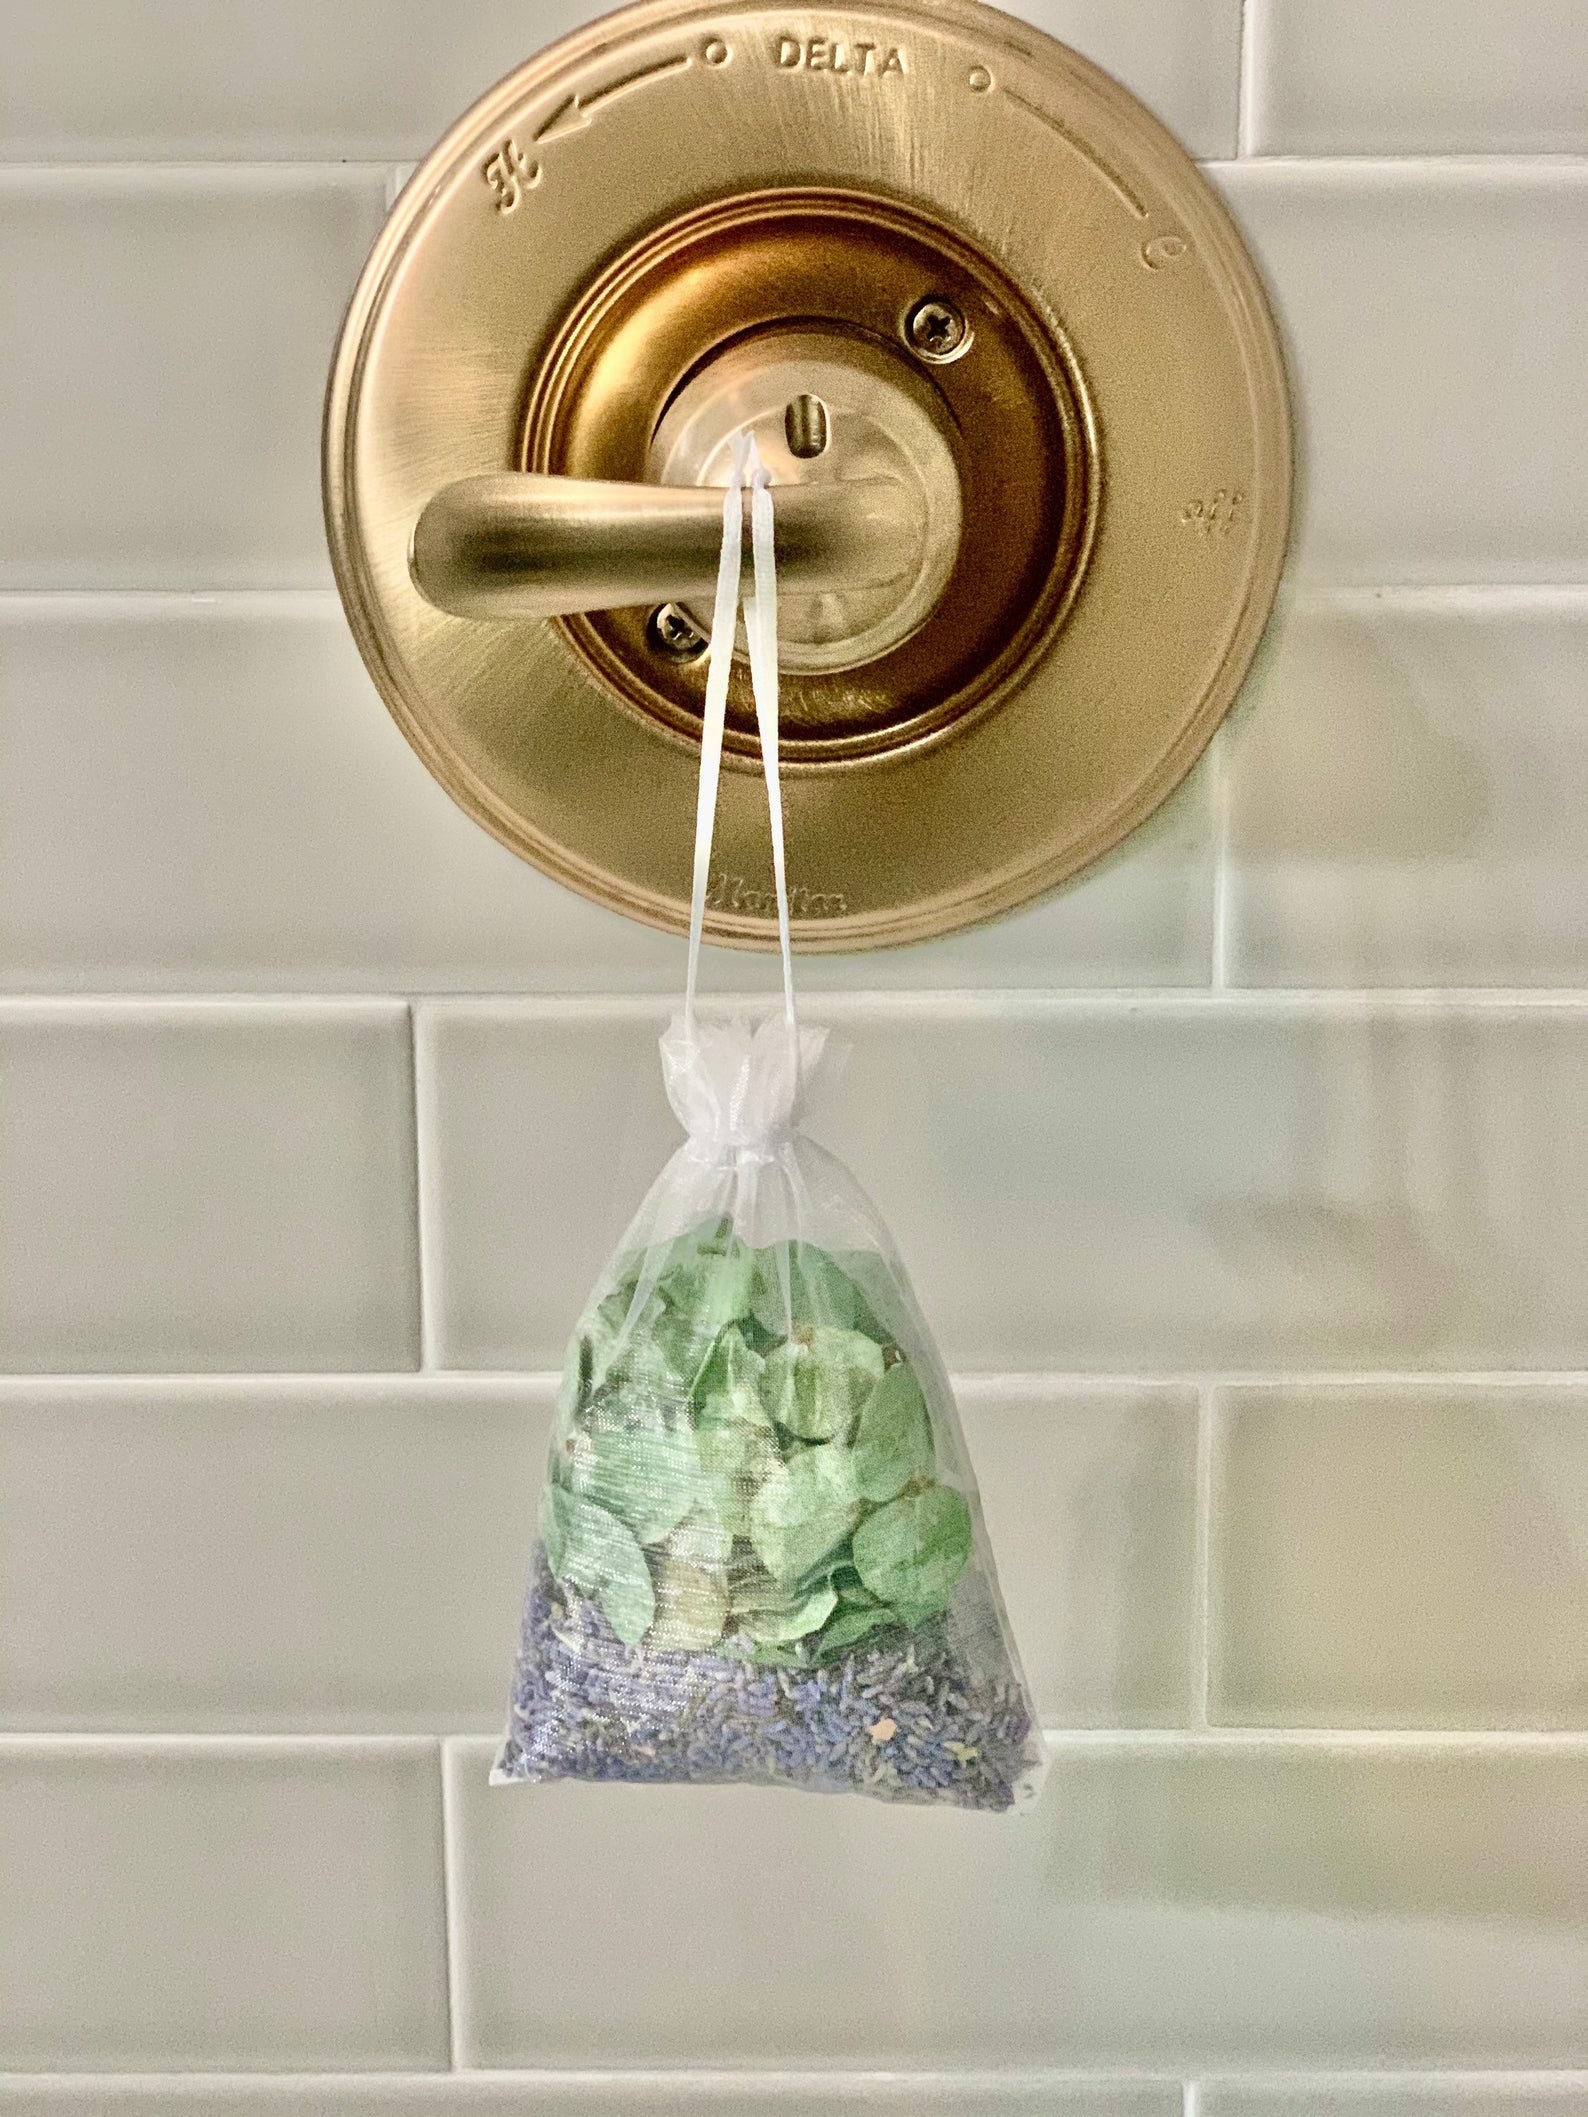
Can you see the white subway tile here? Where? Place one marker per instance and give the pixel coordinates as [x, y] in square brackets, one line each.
[369, 77]
[1161, 1907]
[366, 79]
[1090, 1501]
[1419, 77]
[206, 1187]
[1408, 788]
[1402, 1557]
[189, 1906]
[354, 1552]
[1134, 1188]
[1434, 316]
[209, 795]
[351, 1555]
[165, 339]
[672, 2094]
[1182, 57]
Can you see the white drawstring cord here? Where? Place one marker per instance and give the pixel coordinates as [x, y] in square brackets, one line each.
[760, 624]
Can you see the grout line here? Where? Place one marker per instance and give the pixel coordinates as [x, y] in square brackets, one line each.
[424, 1189]
[1203, 1741]
[1478, 598]
[1110, 1741]
[175, 1741]
[971, 1386]
[1191, 2099]
[1519, 167]
[715, 2084]
[1507, 2078]
[450, 1909]
[1388, 1741]
[1245, 95]
[25, 604]
[1483, 597]
[1219, 791]
[129, 1006]
[1202, 1562]
[195, 169]
[1027, 1004]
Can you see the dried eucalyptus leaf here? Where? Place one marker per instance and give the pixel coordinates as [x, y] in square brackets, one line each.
[735, 1462]
[783, 1620]
[691, 1606]
[770, 1655]
[879, 1307]
[703, 1538]
[553, 1532]
[805, 1507]
[728, 1387]
[576, 1368]
[712, 1289]
[593, 1551]
[814, 1385]
[648, 1478]
[850, 1624]
[912, 1551]
[798, 1286]
[893, 1443]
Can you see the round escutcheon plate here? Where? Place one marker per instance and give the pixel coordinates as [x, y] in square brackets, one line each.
[585, 257]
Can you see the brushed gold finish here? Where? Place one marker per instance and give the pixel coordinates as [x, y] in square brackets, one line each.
[885, 433]
[677, 187]
[1000, 444]
[524, 546]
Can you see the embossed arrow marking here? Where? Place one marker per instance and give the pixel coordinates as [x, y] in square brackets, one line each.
[575, 115]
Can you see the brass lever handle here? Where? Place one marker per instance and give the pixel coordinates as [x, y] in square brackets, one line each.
[522, 545]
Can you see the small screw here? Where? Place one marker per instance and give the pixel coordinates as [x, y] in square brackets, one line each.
[673, 632]
[805, 425]
[936, 329]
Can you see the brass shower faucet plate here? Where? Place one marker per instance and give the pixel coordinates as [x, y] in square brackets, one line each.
[1013, 375]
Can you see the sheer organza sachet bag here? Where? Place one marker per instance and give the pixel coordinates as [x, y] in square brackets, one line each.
[761, 1555]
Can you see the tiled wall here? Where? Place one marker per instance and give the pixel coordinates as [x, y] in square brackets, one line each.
[1247, 1182]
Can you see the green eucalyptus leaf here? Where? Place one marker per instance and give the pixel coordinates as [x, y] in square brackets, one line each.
[780, 1621]
[648, 1477]
[893, 1443]
[798, 1286]
[814, 1385]
[850, 1624]
[771, 1655]
[912, 1551]
[712, 1289]
[751, 1587]
[553, 1531]
[879, 1307]
[576, 1370]
[728, 1386]
[915, 1613]
[703, 1538]
[691, 1606]
[599, 1555]
[735, 1462]
[805, 1507]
